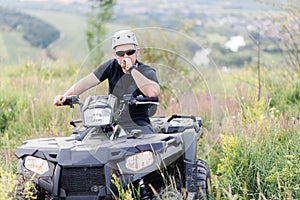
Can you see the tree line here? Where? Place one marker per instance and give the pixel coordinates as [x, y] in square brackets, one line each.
[36, 31]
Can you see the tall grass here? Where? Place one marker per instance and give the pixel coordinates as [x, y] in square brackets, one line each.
[260, 158]
[256, 156]
[26, 110]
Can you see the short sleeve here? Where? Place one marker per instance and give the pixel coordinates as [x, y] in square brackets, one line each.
[103, 71]
[148, 72]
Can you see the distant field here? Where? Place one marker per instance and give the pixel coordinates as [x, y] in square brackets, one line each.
[70, 47]
[15, 49]
[3, 51]
[72, 44]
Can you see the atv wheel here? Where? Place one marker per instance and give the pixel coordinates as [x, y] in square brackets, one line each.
[203, 180]
[169, 194]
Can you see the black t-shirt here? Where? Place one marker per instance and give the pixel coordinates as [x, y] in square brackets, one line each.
[121, 83]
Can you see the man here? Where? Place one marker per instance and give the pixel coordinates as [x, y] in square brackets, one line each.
[126, 75]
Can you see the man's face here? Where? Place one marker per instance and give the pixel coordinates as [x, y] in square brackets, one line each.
[122, 54]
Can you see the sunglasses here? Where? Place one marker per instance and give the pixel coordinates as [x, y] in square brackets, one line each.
[127, 52]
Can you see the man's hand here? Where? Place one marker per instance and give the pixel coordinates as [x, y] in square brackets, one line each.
[126, 64]
[59, 100]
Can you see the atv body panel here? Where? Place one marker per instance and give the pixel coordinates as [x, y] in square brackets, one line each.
[82, 165]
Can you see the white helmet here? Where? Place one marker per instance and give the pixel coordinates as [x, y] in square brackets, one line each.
[123, 37]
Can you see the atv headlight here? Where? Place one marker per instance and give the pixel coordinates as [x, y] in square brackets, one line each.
[139, 161]
[97, 116]
[36, 165]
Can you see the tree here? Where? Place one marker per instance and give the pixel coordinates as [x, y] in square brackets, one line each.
[289, 34]
[100, 13]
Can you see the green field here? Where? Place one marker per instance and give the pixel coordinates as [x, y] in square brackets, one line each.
[70, 47]
[72, 43]
[15, 49]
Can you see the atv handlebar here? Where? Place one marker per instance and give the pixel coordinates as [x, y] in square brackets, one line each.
[140, 100]
[74, 99]
[143, 100]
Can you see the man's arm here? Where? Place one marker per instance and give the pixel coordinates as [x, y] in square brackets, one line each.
[78, 88]
[82, 85]
[148, 87]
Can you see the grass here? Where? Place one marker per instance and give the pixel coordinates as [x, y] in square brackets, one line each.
[255, 156]
[257, 152]
[26, 111]
[253, 149]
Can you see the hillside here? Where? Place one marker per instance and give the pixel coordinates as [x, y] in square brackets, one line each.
[211, 23]
[34, 30]
[71, 46]
[21, 45]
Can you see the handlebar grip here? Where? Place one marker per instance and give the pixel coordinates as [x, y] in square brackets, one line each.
[68, 101]
[71, 100]
[143, 99]
[127, 98]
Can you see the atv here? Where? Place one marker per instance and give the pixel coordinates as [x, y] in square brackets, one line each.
[100, 157]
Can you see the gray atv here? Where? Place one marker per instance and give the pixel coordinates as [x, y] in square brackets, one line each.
[100, 160]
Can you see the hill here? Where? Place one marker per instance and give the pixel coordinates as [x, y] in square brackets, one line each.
[34, 30]
[71, 46]
[31, 41]
[210, 23]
